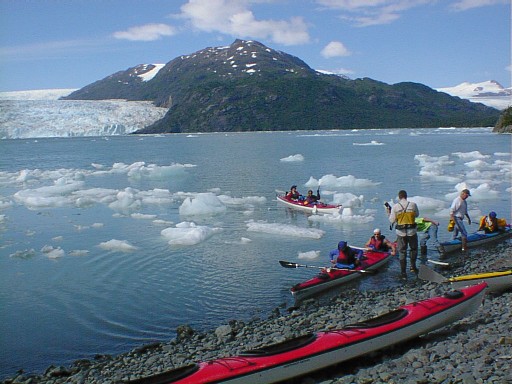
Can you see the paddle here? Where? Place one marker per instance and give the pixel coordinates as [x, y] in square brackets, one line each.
[444, 264]
[288, 264]
[367, 249]
[428, 274]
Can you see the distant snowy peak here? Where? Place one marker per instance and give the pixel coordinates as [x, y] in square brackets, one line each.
[486, 88]
[489, 92]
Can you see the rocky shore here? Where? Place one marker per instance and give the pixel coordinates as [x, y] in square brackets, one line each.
[476, 349]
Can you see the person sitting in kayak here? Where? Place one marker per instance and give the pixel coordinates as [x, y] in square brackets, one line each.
[293, 194]
[345, 257]
[378, 242]
[312, 199]
[489, 224]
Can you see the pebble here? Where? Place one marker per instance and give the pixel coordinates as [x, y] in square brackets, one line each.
[476, 349]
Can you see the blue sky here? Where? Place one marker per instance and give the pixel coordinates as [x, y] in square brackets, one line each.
[72, 43]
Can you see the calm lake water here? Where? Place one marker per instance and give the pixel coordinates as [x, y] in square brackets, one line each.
[111, 243]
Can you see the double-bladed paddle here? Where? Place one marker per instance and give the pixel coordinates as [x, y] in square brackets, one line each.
[288, 264]
[367, 249]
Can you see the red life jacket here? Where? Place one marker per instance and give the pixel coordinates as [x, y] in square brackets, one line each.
[346, 258]
[378, 244]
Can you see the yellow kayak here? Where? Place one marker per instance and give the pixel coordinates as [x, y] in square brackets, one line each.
[496, 281]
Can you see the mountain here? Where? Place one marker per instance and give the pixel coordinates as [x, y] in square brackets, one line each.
[490, 93]
[248, 86]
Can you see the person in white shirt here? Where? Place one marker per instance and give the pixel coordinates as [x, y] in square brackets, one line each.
[458, 210]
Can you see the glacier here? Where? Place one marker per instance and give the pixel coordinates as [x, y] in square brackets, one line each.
[33, 114]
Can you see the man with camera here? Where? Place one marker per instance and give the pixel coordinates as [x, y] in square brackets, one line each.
[403, 215]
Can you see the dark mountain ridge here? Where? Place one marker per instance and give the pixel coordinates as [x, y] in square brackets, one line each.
[247, 86]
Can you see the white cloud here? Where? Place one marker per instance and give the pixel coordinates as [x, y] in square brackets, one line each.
[463, 5]
[335, 49]
[234, 17]
[365, 13]
[148, 32]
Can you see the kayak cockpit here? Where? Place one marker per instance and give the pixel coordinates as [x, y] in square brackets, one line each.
[282, 347]
[384, 319]
[168, 376]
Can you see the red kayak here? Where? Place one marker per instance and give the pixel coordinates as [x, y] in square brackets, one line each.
[312, 208]
[333, 277]
[316, 351]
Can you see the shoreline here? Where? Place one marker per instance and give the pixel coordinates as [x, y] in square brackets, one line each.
[476, 349]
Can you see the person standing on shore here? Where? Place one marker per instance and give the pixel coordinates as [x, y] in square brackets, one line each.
[403, 214]
[458, 210]
[427, 229]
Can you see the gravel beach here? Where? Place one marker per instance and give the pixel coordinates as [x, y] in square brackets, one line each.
[476, 349]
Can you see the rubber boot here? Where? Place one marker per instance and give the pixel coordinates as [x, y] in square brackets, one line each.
[423, 250]
[464, 243]
[413, 263]
[403, 267]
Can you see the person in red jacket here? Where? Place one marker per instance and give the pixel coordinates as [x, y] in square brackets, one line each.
[378, 242]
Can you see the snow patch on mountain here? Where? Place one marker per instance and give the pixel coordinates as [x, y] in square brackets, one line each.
[490, 93]
[149, 74]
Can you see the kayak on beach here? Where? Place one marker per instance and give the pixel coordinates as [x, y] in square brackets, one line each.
[477, 239]
[496, 281]
[332, 277]
[314, 208]
[314, 351]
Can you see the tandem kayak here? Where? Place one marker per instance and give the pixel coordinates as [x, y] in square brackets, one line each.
[312, 208]
[476, 239]
[496, 281]
[314, 351]
[333, 277]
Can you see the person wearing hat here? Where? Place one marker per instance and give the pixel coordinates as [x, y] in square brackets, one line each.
[378, 242]
[345, 257]
[489, 224]
[458, 210]
[293, 194]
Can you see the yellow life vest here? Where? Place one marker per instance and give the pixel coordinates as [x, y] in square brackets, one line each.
[405, 219]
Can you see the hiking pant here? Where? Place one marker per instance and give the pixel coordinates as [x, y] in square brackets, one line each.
[402, 242]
